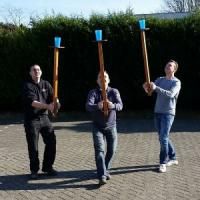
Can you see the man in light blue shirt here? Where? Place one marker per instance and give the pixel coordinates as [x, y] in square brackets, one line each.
[167, 89]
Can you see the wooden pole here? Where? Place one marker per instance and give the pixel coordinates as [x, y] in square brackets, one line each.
[102, 79]
[145, 58]
[55, 81]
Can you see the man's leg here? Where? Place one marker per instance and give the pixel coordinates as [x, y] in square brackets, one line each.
[172, 151]
[111, 138]
[99, 146]
[49, 139]
[32, 136]
[166, 124]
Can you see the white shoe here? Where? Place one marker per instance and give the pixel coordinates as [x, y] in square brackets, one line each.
[172, 162]
[162, 168]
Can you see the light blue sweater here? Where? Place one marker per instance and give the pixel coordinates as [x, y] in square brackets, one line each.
[167, 93]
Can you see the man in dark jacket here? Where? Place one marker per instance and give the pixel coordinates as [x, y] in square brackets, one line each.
[38, 101]
[104, 127]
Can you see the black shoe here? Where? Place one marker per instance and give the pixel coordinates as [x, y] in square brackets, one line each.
[51, 172]
[103, 180]
[33, 175]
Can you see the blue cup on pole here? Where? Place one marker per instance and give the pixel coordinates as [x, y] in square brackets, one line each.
[57, 42]
[98, 34]
[142, 24]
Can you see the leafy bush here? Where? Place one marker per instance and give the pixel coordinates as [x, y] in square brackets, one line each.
[78, 64]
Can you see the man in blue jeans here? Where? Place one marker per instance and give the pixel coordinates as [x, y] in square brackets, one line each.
[104, 127]
[167, 89]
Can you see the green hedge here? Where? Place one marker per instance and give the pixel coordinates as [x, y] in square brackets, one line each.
[78, 64]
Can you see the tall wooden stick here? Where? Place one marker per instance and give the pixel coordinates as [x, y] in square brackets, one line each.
[55, 81]
[145, 58]
[102, 79]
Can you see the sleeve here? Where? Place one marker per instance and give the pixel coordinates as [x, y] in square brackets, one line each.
[91, 104]
[29, 94]
[118, 101]
[50, 92]
[174, 90]
[157, 81]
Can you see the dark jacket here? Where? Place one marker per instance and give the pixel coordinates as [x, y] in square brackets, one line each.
[41, 92]
[99, 120]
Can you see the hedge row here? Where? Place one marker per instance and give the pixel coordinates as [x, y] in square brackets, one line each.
[78, 64]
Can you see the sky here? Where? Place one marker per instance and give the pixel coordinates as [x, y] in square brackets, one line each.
[78, 7]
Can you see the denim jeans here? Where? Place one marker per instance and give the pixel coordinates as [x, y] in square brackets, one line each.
[33, 128]
[163, 124]
[105, 144]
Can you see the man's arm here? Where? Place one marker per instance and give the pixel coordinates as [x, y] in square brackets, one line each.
[168, 93]
[91, 106]
[117, 104]
[39, 105]
[30, 98]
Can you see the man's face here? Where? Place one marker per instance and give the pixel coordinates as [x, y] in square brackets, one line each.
[170, 68]
[35, 72]
[106, 79]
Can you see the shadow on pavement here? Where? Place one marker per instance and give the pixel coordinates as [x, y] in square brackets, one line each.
[73, 179]
[126, 123]
[132, 169]
[126, 126]
[83, 126]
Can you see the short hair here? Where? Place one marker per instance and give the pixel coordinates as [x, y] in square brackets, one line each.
[105, 72]
[176, 64]
[33, 66]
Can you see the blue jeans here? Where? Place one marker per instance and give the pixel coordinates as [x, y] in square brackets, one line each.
[163, 124]
[104, 138]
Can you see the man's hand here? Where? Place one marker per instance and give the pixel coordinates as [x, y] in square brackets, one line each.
[152, 86]
[148, 87]
[50, 107]
[100, 105]
[110, 105]
[57, 106]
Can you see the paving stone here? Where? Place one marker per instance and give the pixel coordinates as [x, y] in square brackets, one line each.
[134, 170]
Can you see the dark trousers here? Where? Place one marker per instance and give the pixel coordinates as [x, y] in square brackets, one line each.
[33, 128]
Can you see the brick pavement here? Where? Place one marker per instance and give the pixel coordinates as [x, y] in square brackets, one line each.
[134, 172]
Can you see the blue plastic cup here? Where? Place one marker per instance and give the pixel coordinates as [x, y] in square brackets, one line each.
[98, 34]
[142, 24]
[57, 42]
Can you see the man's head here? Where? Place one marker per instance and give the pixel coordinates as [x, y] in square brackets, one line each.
[106, 79]
[35, 73]
[171, 67]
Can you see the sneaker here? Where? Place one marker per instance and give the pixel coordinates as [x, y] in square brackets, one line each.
[108, 176]
[33, 175]
[103, 180]
[172, 162]
[50, 172]
[162, 168]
